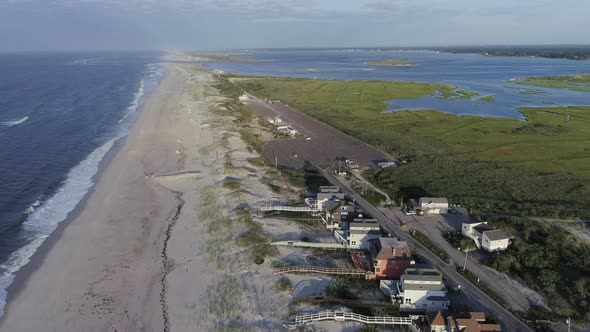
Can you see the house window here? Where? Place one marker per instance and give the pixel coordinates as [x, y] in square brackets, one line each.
[377, 269]
[408, 301]
[354, 243]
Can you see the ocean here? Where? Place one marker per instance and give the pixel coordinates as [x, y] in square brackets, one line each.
[60, 114]
[486, 75]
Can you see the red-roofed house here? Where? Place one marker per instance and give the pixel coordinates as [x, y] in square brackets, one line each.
[390, 257]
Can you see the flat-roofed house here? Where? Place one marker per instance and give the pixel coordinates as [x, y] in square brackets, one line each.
[423, 289]
[495, 240]
[360, 233]
[432, 205]
[390, 257]
[418, 289]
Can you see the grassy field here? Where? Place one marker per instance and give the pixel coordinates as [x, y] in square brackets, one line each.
[579, 82]
[393, 63]
[537, 167]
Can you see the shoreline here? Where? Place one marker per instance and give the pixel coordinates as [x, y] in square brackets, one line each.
[27, 274]
[22, 275]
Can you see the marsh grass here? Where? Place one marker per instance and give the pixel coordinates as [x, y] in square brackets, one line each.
[540, 166]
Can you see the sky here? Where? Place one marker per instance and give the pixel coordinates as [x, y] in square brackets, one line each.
[79, 25]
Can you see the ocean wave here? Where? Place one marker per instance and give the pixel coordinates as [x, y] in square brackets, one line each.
[44, 218]
[33, 206]
[136, 101]
[14, 122]
[84, 61]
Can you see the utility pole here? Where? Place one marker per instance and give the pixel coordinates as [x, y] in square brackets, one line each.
[276, 162]
[465, 264]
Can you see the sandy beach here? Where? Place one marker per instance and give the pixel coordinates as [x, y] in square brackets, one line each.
[153, 248]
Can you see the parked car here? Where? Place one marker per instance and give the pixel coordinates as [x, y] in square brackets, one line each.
[409, 212]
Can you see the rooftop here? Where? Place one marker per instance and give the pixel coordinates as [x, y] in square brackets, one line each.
[441, 200]
[365, 231]
[365, 223]
[497, 234]
[422, 274]
[329, 189]
[389, 247]
[424, 287]
[483, 228]
[437, 318]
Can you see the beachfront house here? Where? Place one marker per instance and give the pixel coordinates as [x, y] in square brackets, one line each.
[360, 233]
[328, 193]
[419, 289]
[433, 205]
[390, 257]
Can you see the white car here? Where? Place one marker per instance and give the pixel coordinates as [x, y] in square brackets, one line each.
[409, 212]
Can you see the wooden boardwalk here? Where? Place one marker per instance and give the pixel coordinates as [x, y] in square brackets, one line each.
[300, 244]
[289, 208]
[321, 270]
[341, 316]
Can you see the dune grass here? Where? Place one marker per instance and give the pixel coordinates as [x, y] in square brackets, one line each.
[540, 166]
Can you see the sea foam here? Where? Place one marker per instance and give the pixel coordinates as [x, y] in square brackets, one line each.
[44, 219]
[14, 122]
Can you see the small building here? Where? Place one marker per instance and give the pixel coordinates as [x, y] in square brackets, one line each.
[360, 233]
[495, 240]
[277, 119]
[432, 205]
[270, 119]
[390, 257]
[420, 289]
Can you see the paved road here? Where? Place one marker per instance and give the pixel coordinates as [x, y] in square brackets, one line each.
[435, 226]
[478, 299]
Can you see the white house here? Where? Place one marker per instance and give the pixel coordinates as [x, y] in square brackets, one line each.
[418, 289]
[467, 228]
[431, 205]
[486, 236]
[360, 233]
[495, 240]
